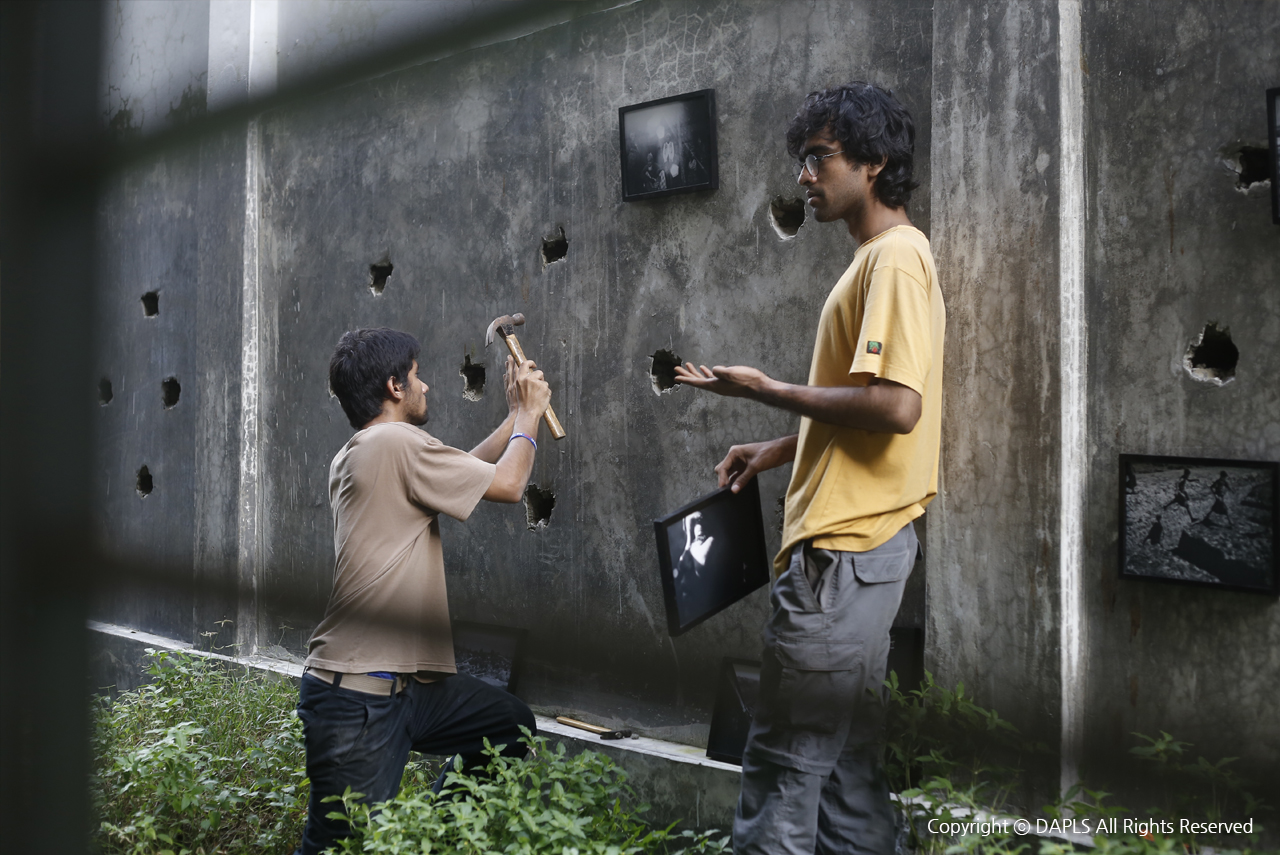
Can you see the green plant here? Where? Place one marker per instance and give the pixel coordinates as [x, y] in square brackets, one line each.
[955, 763]
[548, 802]
[203, 759]
[951, 761]
[209, 759]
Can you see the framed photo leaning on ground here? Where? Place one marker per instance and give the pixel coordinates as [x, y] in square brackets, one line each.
[669, 146]
[711, 553]
[1199, 521]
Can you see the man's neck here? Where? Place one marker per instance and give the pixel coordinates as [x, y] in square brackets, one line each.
[390, 413]
[877, 219]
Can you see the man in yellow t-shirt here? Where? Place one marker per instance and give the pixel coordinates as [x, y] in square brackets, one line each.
[865, 465]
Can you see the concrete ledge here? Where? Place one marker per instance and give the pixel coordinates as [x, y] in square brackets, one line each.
[679, 782]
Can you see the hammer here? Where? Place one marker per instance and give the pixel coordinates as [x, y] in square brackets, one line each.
[505, 326]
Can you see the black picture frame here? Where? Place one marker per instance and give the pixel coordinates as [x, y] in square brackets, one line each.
[492, 653]
[1273, 149]
[1200, 521]
[668, 146]
[728, 558]
[737, 694]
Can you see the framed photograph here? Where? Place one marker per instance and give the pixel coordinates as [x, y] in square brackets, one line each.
[711, 554]
[669, 146]
[1273, 147]
[737, 693]
[495, 654]
[1199, 521]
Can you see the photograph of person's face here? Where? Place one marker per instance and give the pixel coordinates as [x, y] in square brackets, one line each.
[714, 556]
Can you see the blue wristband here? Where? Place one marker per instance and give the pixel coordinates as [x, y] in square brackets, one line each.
[526, 436]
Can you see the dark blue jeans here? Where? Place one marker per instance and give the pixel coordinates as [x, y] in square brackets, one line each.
[362, 741]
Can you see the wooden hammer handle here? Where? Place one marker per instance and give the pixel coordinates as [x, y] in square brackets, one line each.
[553, 423]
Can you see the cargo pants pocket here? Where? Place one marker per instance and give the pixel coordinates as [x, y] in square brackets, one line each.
[811, 687]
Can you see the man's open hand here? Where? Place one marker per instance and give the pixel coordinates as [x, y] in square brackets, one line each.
[734, 381]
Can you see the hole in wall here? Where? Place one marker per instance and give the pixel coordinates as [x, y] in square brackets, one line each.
[145, 484]
[473, 373]
[104, 392]
[379, 273]
[538, 504]
[662, 371]
[1250, 163]
[786, 216]
[1254, 167]
[1212, 357]
[170, 389]
[780, 511]
[151, 304]
[554, 247]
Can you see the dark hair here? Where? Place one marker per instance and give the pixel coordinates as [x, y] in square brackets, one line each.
[871, 126]
[360, 366]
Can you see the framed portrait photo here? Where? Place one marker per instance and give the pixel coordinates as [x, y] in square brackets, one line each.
[711, 553]
[1200, 521]
[669, 146]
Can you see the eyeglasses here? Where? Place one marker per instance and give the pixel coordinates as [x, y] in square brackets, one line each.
[812, 162]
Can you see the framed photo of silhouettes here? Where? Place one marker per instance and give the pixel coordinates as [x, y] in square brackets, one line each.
[711, 553]
[1200, 521]
[669, 146]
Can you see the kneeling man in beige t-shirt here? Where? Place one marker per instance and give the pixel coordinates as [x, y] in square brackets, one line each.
[380, 676]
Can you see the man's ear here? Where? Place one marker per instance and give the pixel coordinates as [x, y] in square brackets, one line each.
[395, 390]
[874, 169]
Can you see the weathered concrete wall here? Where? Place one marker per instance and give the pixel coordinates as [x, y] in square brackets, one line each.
[455, 168]
[455, 171]
[155, 63]
[1173, 245]
[993, 530]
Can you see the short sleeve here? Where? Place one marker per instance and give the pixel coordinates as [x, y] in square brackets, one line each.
[444, 479]
[895, 342]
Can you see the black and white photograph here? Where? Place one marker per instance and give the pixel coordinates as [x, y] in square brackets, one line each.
[1199, 521]
[491, 653]
[711, 554]
[669, 146]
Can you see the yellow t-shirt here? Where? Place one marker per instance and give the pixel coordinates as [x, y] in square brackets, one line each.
[853, 489]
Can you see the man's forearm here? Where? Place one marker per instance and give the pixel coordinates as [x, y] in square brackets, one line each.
[491, 448]
[515, 464]
[881, 407]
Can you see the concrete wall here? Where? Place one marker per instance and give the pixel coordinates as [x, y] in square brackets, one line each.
[1024, 535]
[455, 170]
[1174, 245]
[993, 529]
[1085, 227]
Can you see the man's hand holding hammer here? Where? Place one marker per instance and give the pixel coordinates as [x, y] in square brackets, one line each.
[513, 444]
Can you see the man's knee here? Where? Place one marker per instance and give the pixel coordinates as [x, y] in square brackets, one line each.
[522, 717]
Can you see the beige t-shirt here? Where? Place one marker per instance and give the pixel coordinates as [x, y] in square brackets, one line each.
[853, 489]
[388, 610]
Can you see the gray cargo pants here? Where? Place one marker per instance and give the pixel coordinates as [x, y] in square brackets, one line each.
[811, 774]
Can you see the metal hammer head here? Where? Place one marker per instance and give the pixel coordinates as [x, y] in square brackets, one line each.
[504, 326]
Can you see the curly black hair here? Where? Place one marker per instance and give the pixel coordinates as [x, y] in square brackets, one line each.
[871, 125]
[360, 366]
